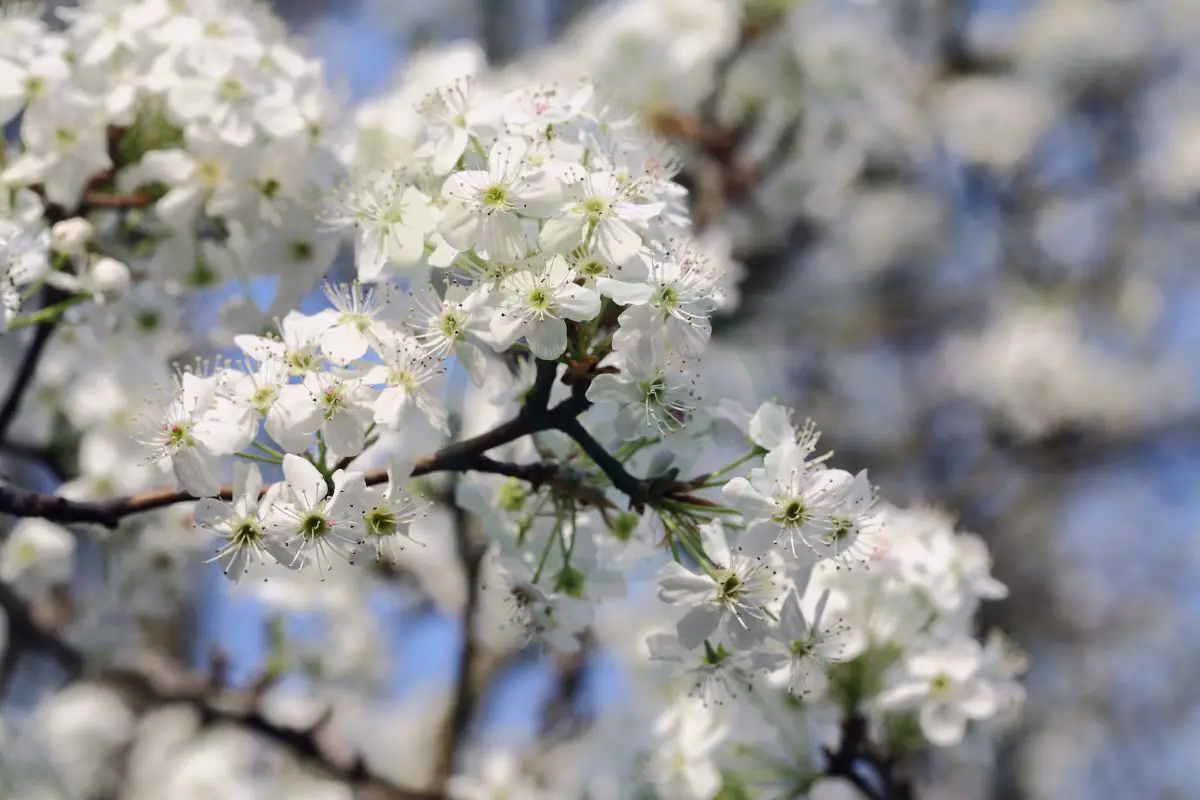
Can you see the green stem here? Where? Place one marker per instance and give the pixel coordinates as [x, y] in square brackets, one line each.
[731, 466]
[47, 314]
[270, 451]
[261, 459]
[537, 574]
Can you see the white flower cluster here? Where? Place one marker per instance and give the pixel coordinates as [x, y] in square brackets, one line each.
[201, 119]
[811, 603]
[535, 242]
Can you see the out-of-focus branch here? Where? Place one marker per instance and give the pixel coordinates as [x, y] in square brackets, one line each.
[854, 753]
[22, 379]
[154, 682]
[462, 710]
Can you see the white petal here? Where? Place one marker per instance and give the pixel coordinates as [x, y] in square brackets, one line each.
[697, 625]
[562, 233]
[247, 481]
[677, 584]
[942, 724]
[577, 303]
[624, 292]
[547, 338]
[197, 472]
[305, 481]
[615, 241]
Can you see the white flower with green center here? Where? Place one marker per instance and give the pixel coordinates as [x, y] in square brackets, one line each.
[946, 684]
[535, 305]
[392, 219]
[297, 345]
[650, 400]
[456, 113]
[729, 600]
[793, 500]
[450, 326]
[193, 427]
[36, 555]
[406, 374]
[345, 409]
[601, 215]
[360, 309]
[241, 526]
[266, 393]
[489, 207]
[713, 674]
[673, 298]
[314, 522]
[799, 655]
[388, 513]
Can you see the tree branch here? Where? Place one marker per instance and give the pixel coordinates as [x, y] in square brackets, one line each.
[462, 709]
[463, 456]
[26, 371]
[854, 751]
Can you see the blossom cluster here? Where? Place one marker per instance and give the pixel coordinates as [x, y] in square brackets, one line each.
[202, 124]
[535, 243]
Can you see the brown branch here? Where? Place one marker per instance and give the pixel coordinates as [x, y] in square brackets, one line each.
[28, 630]
[464, 456]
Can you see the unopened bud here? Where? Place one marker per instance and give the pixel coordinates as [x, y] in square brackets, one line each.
[71, 236]
[109, 278]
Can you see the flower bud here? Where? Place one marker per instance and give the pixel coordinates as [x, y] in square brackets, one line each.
[109, 278]
[71, 236]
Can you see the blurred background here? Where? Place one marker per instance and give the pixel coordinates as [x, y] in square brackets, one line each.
[968, 233]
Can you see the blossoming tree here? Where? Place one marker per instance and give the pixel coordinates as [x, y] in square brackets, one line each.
[507, 405]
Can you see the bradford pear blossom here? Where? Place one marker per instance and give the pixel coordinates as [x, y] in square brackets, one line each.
[456, 112]
[792, 499]
[451, 325]
[31, 80]
[536, 305]
[715, 675]
[313, 521]
[651, 401]
[36, 555]
[207, 175]
[683, 764]
[264, 392]
[224, 92]
[392, 220]
[671, 297]
[192, 429]
[241, 525]
[599, 214]
[800, 652]
[362, 308]
[298, 344]
[388, 512]
[729, 600]
[407, 372]
[488, 208]
[946, 685]
[346, 410]
[65, 145]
